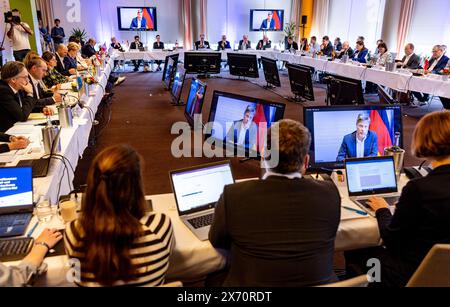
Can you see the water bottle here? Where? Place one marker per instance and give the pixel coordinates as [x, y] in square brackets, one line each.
[65, 115]
[49, 134]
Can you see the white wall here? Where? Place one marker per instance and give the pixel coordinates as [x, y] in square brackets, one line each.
[232, 18]
[430, 25]
[349, 19]
[99, 18]
[7, 53]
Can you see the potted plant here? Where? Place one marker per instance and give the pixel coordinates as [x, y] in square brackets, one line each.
[80, 34]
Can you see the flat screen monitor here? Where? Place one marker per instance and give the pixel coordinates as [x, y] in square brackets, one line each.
[271, 71]
[16, 188]
[177, 84]
[194, 103]
[345, 91]
[243, 65]
[335, 129]
[385, 97]
[137, 18]
[175, 58]
[202, 62]
[231, 112]
[168, 76]
[266, 20]
[301, 81]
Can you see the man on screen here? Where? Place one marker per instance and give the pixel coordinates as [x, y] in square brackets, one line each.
[269, 23]
[139, 22]
[361, 143]
[244, 132]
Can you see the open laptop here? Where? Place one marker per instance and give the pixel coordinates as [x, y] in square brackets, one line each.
[371, 177]
[40, 166]
[16, 200]
[196, 191]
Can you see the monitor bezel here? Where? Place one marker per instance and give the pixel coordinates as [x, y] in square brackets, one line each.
[250, 57]
[265, 10]
[176, 100]
[186, 114]
[217, 55]
[21, 208]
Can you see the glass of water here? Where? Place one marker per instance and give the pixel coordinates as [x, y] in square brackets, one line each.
[44, 211]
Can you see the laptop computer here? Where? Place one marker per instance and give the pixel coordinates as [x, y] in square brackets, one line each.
[40, 166]
[371, 177]
[197, 190]
[16, 200]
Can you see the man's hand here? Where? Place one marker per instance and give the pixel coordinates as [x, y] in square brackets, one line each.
[73, 71]
[50, 236]
[47, 111]
[377, 203]
[28, 88]
[57, 97]
[18, 143]
[27, 29]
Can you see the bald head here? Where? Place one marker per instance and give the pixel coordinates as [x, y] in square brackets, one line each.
[62, 50]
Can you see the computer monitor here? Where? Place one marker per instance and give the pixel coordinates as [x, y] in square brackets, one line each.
[16, 189]
[243, 65]
[334, 132]
[175, 58]
[177, 84]
[301, 82]
[194, 103]
[271, 72]
[229, 112]
[385, 97]
[202, 62]
[168, 76]
[344, 91]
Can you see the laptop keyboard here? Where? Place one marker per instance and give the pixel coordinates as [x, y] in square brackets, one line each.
[392, 201]
[11, 220]
[202, 221]
[15, 249]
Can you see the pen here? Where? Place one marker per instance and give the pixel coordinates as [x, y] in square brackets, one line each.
[355, 210]
[32, 230]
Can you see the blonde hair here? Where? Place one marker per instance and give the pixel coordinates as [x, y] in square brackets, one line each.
[431, 137]
[73, 46]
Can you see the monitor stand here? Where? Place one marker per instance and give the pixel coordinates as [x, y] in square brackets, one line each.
[179, 104]
[297, 98]
[269, 86]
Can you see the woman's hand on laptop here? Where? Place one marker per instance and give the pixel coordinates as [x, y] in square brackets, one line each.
[377, 203]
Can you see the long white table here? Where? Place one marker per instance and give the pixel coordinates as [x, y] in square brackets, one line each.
[401, 81]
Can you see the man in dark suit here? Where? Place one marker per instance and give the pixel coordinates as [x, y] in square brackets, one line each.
[291, 45]
[410, 60]
[88, 50]
[281, 230]
[223, 44]
[337, 44]
[60, 54]
[16, 95]
[361, 143]
[269, 23]
[245, 44]
[202, 44]
[346, 50]
[136, 45]
[14, 143]
[158, 45]
[326, 47]
[139, 22]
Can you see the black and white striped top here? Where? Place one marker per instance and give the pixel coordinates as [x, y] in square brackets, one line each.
[150, 252]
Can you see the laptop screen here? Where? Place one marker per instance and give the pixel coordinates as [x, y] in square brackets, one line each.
[200, 188]
[16, 187]
[371, 176]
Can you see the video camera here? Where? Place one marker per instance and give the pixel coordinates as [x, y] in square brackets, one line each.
[11, 17]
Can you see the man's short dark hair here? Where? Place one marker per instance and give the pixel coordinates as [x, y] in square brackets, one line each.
[74, 39]
[11, 70]
[158, 36]
[313, 37]
[326, 38]
[293, 141]
[15, 11]
[137, 36]
[57, 20]
[411, 45]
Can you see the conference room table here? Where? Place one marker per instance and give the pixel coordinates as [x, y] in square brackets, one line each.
[192, 260]
[401, 80]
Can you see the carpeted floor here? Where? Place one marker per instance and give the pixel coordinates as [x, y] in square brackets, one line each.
[142, 117]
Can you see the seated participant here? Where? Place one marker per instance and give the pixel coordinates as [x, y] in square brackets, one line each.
[383, 55]
[313, 45]
[337, 44]
[264, 44]
[52, 77]
[88, 50]
[291, 45]
[377, 50]
[71, 61]
[117, 240]
[422, 217]
[280, 230]
[244, 132]
[361, 143]
[18, 276]
[223, 44]
[158, 45]
[136, 45]
[346, 50]
[304, 45]
[410, 60]
[361, 52]
[245, 44]
[115, 45]
[202, 44]
[61, 53]
[14, 143]
[326, 48]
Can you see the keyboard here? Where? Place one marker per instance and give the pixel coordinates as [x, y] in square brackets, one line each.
[392, 201]
[202, 221]
[11, 220]
[15, 249]
[40, 166]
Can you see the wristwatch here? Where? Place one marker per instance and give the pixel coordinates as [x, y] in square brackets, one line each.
[42, 244]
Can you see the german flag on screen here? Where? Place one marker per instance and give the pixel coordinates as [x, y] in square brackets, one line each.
[276, 15]
[384, 129]
[150, 17]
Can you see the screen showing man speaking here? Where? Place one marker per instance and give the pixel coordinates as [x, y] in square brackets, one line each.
[137, 18]
[16, 186]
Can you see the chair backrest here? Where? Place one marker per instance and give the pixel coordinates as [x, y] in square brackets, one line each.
[434, 271]
[357, 282]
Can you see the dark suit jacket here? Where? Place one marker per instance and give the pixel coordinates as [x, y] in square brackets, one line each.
[70, 63]
[46, 98]
[87, 51]
[241, 45]
[280, 232]
[421, 220]
[156, 47]
[348, 147]
[205, 43]
[261, 45]
[133, 45]
[293, 46]
[117, 46]
[361, 56]
[349, 52]
[328, 50]
[4, 138]
[135, 24]
[61, 68]
[440, 65]
[338, 47]
[413, 63]
[271, 26]
[227, 46]
[10, 110]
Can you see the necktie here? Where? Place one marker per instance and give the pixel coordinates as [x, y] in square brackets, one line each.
[20, 99]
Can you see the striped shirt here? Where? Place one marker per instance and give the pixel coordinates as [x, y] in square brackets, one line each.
[150, 252]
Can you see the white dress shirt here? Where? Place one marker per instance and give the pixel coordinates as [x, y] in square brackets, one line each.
[290, 176]
[407, 60]
[360, 147]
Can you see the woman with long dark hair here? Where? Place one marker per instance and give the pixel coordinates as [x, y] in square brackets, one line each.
[116, 240]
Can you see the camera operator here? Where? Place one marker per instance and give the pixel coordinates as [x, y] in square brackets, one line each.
[19, 33]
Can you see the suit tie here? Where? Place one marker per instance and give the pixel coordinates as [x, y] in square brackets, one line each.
[19, 98]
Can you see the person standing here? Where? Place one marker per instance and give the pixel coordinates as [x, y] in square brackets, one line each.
[58, 33]
[19, 33]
